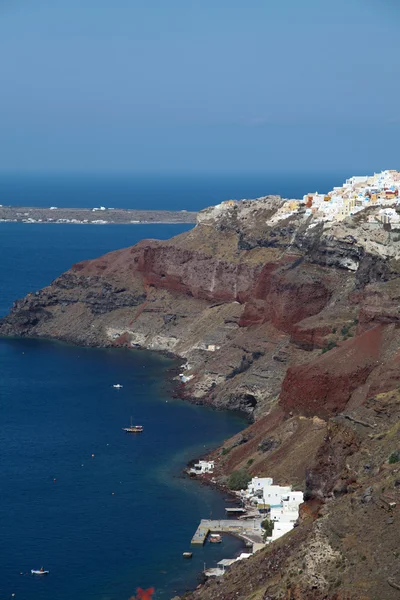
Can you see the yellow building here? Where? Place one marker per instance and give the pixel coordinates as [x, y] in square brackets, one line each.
[293, 204]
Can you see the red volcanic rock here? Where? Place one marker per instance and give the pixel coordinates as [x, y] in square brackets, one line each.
[288, 295]
[292, 301]
[386, 376]
[311, 337]
[177, 269]
[253, 314]
[324, 386]
[379, 304]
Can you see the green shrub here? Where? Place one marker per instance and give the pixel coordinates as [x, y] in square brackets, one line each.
[394, 457]
[250, 462]
[225, 451]
[330, 346]
[268, 527]
[239, 480]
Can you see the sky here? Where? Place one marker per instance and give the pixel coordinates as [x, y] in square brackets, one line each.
[189, 85]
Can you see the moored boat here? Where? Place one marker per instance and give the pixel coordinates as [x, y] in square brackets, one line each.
[215, 538]
[133, 428]
[39, 572]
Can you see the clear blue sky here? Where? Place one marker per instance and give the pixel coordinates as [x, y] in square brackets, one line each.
[199, 85]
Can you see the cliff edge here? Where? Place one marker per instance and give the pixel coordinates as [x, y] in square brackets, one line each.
[294, 321]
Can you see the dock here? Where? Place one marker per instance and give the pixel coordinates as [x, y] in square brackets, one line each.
[248, 530]
[235, 510]
[201, 534]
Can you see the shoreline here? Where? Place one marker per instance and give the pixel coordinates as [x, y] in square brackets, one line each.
[170, 378]
[94, 216]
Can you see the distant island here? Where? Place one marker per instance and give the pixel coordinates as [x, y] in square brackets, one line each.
[93, 216]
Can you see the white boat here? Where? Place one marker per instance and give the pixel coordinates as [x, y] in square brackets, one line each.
[133, 428]
[39, 572]
[118, 386]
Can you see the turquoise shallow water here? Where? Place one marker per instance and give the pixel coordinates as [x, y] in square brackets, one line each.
[106, 524]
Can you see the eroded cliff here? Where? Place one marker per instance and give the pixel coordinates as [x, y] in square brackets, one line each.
[296, 323]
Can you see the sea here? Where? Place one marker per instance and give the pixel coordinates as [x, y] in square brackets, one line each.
[105, 512]
[158, 191]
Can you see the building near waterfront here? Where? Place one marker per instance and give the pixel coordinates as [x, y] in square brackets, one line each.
[282, 503]
[203, 466]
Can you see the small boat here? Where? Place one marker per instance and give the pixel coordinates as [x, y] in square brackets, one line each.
[39, 572]
[118, 386]
[133, 428]
[187, 554]
[215, 538]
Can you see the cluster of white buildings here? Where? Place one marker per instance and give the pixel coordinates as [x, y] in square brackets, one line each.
[356, 194]
[281, 501]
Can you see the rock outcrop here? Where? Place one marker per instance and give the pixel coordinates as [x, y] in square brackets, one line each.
[294, 322]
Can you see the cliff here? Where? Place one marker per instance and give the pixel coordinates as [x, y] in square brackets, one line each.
[293, 321]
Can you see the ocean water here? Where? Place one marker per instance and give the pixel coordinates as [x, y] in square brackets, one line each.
[104, 511]
[158, 191]
[32, 255]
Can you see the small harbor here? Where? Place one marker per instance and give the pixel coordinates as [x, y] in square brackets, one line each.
[267, 512]
[249, 531]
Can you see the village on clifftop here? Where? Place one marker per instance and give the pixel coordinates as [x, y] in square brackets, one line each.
[356, 194]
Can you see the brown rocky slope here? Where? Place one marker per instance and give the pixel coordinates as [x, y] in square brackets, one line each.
[296, 323]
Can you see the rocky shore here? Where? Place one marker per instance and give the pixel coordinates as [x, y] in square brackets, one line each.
[95, 216]
[295, 322]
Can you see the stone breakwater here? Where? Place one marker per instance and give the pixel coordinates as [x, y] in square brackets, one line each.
[97, 216]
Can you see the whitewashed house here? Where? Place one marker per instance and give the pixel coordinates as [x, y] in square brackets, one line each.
[257, 484]
[203, 466]
[279, 530]
[283, 503]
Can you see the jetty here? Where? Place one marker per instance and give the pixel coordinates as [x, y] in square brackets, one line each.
[250, 531]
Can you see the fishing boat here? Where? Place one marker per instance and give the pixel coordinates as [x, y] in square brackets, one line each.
[39, 572]
[118, 386]
[215, 538]
[133, 428]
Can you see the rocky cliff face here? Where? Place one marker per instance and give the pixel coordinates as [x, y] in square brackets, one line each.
[294, 322]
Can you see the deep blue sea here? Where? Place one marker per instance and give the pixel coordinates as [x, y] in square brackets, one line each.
[158, 191]
[104, 511]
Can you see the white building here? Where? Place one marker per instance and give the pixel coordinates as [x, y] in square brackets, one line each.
[281, 515]
[283, 503]
[274, 494]
[203, 466]
[279, 530]
[257, 484]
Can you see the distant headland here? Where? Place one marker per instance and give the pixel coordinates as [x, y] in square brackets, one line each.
[93, 216]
